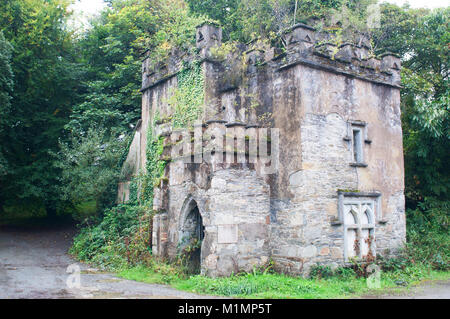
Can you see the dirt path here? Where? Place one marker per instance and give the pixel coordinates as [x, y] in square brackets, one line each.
[34, 264]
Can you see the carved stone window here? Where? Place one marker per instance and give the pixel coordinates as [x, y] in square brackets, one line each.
[357, 149]
[359, 212]
[359, 226]
[357, 137]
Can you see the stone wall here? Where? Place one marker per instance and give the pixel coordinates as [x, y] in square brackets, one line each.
[235, 211]
[307, 224]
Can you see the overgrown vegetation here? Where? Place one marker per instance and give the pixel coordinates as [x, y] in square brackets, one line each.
[187, 99]
[119, 240]
[123, 236]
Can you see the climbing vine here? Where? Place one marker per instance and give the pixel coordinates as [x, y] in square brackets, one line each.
[187, 102]
[188, 98]
[155, 166]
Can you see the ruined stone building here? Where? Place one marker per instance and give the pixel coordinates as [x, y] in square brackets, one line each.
[333, 188]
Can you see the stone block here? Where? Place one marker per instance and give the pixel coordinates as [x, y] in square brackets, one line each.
[336, 253]
[309, 251]
[325, 251]
[223, 218]
[227, 234]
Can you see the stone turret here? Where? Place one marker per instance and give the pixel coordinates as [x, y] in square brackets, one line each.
[300, 35]
[391, 63]
[208, 35]
[328, 115]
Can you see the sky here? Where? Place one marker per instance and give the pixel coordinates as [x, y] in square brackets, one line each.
[83, 9]
[422, 3]
[89, 7]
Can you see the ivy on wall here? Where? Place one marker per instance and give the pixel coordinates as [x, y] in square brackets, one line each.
[126, 231]
[187, 104]
[188, 98]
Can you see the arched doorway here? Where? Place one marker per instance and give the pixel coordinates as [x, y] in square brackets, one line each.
[192, 235]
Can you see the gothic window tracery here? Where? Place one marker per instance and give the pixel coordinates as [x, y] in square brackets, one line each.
[359, 225]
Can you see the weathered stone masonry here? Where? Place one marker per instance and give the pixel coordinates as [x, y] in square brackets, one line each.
[337, 192]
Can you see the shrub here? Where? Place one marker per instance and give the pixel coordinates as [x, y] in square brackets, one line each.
[321, 272]
[121, 238]
[428, 240]
[325, 272]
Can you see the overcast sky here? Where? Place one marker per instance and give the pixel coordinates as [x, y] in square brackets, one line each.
[94, 6]
[88, 6]
[422, 3]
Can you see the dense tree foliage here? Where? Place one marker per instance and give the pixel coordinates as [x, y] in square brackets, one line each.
[246, 19]
[90, 170]
[111, 54]
[6, 88]
[69, 102]
[45, 89]
[112, 51]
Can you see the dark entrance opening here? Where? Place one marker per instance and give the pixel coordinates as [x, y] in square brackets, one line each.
[193, 235]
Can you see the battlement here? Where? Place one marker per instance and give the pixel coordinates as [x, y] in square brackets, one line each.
[303, 45]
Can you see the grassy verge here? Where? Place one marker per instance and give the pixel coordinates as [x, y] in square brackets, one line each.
[275, 286]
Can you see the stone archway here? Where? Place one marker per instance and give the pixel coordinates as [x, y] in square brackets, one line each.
[191, 236]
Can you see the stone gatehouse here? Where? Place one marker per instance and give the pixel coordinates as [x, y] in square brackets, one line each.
[330, 114]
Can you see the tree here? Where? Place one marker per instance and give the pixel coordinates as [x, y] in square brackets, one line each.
[45, 87]
[243, 20]
[111, 53]
[90, 170]
[6, 88]
[421, 38]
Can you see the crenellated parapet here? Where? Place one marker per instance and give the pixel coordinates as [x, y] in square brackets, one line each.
[307, 46]
[303, 45]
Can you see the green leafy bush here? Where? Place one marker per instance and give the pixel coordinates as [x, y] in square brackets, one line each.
[319, 271]
[120, 239]
[89, 167]
[428, 241]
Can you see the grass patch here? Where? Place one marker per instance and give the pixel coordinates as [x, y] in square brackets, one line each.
[21, 212]
[278, 286]
[88, 208]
